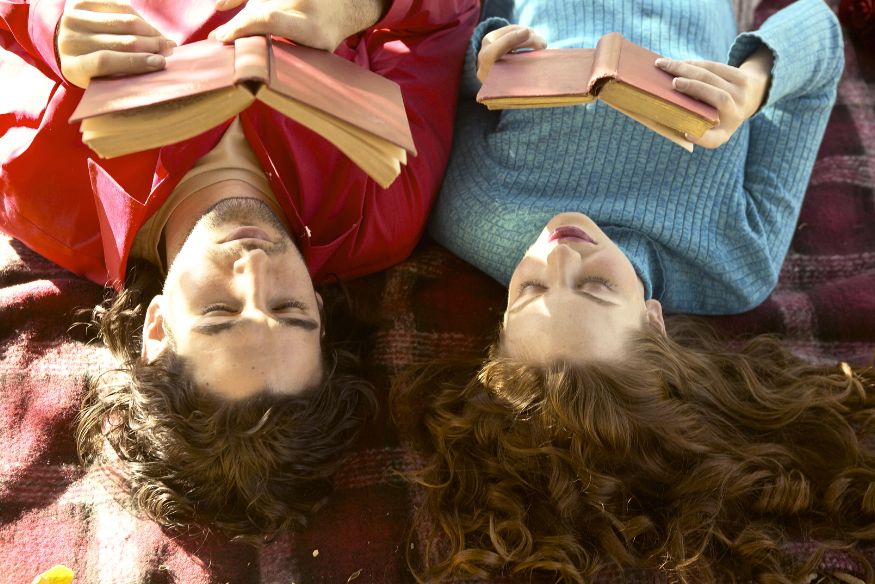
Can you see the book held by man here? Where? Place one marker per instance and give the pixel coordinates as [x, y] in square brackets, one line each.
[206, 83]
[618, 72]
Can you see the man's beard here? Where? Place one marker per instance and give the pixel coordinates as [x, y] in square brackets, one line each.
[240, 210]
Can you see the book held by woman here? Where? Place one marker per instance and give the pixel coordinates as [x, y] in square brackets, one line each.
[618, 72]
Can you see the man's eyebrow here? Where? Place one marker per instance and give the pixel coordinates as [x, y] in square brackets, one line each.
[218, 327]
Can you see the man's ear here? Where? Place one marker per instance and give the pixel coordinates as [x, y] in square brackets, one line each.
[654, 316]
[155, 337]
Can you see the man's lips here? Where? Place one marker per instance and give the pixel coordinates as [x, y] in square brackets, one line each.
[247, 233]
[571, 232]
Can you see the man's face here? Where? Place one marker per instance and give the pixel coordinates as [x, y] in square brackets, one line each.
[240, 305]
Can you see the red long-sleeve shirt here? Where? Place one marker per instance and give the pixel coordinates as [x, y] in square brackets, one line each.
[83, 212]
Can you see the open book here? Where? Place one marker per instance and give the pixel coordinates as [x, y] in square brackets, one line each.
[618, 72]
[205, 83]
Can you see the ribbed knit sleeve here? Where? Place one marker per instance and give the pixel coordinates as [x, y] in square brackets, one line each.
[706, 232]
[806, 44]
[470, 83]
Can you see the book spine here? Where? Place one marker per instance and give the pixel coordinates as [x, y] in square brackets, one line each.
[252, 59]
[606, 61]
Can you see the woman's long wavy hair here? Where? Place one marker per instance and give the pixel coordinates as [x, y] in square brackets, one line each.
[686, 457]
[193, 460]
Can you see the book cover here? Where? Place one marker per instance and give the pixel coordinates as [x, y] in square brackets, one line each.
[617, 71]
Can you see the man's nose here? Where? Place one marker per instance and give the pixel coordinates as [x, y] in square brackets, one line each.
[250, 272]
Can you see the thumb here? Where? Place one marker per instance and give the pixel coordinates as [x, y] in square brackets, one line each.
[228, 4]
[105, 62]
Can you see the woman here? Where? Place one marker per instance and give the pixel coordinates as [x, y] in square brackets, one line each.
[593, 438]
[706, 232]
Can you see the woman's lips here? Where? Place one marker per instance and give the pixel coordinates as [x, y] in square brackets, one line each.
[570, 232]
[247, 233]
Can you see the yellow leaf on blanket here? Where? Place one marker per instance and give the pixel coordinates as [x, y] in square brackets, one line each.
[57, 575]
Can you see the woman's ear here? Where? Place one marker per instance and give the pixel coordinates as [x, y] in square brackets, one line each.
[155, 337]
[654, 316]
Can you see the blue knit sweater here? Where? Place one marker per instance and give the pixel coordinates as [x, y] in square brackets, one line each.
[707, 232]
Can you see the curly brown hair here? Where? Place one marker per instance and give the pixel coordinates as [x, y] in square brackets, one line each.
[250, 467]
[687, 457]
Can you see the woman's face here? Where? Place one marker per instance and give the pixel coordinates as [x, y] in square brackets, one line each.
[574, 297]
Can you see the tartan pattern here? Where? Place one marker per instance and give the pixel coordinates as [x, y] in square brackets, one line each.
[433, 305]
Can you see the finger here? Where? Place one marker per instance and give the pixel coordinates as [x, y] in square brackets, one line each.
[535, 42]
[710, 139]
[82, 44]
[110, 6]
[690, 71]
[103, 63]
[248, 22]
[499, 33]
[228, 4]
[499, 47]
[109, 22]
[727, 72]
[705, 92]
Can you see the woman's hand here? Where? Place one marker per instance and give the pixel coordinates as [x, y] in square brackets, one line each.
[321, 24]
[735, 92]
[107, 37]
[501, 41]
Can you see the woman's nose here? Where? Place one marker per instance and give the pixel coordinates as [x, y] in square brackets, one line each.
[562, 264]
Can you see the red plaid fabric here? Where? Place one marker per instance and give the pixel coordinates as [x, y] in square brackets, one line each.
[52, 511]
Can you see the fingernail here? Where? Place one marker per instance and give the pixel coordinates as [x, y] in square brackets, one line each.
[155, 61]
[221, 3]
[661, 62]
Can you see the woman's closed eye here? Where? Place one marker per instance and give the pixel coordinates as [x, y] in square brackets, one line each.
[531, 286]
[590, 281]
[598, 281]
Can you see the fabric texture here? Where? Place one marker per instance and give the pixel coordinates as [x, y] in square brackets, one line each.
[434, 305]
[344, 223]
[706, 232]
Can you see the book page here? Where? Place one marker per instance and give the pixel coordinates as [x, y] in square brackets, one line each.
[341, 89]
[378, 157]
[663, 131]
[192, 69]
[125, 132]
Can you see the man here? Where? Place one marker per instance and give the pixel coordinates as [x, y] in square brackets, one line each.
[232, 410]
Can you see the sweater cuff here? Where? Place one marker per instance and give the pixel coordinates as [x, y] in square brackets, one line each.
[43, 21]
[806, 45]
[470, 84]
[643, 255]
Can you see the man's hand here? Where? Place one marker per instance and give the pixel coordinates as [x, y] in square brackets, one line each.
[321, 24]
[737, 93]
[501, 41]
[107, 37]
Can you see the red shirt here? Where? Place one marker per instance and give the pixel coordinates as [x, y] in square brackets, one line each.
[83, 212]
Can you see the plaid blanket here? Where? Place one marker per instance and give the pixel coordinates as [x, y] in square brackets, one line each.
[52, 511]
